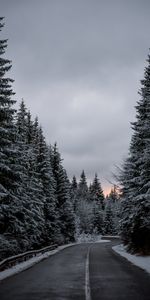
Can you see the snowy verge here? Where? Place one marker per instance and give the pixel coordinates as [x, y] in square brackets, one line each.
[91, 238]
[29, 263]
[34, 260]
[141, 261]
[111, 236]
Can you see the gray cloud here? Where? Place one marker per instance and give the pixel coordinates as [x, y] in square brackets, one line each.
[78, 64]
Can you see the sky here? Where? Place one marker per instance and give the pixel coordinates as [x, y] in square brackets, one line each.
[78, 66]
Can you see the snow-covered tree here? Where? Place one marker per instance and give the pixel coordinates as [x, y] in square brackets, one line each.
[64, 207]
[96, 193]
[45, 176]
[73, 193]
[82, 188]
[98, 199]
[112, 212]
[108, 219]
[135, 177]
[9, 168]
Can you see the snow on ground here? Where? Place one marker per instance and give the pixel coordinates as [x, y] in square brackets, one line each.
[141, 261]
[111, 236]
[90, 238]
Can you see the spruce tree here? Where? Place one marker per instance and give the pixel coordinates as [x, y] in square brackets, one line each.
[45, 175]
[97, 193]
[135, 177]
[64, 205]
[108, 219]
[10, 172]
[30, 191]
[97, 197]
[83, 187]
[8, 175]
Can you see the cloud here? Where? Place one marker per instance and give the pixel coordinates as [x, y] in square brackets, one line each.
[78, 64]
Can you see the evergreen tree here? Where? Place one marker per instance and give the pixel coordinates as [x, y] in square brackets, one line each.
[74, 184]
[8, 176]
[83, 187]
[30, 190]
[112, 213]
[45, 176]
[21, 122]
[97, 197]
[108, 219]
[63, 203]
[135, 177]
[73, 193]
[9, 168]
[97, 193]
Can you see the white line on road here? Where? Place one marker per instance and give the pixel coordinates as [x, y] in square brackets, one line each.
[87, 277]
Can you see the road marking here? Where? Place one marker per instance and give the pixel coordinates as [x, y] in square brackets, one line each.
[87, 277]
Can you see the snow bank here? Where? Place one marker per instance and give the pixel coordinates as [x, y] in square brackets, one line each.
[32, 261]
[141, 261]
[29, 263]
[91, 238]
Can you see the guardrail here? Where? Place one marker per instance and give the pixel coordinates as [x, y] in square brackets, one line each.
[13, 260]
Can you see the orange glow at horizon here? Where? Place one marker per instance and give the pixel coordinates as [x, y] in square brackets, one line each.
[107, 190]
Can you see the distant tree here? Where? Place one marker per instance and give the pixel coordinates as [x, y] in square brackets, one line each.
[74, 184]
[83, 187]
[73, 193]
[112, 212]
[109, 219]
[98, 199]
[97, 193]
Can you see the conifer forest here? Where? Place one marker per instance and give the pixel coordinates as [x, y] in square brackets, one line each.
[40, 205]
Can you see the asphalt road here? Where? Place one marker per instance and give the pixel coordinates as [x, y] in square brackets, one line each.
[80, 272]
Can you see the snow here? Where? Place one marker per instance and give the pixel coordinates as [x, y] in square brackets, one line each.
[29, 263]
[111, 236]
[141, 261]
[91, 238]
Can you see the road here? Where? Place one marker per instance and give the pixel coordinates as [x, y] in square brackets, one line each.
[80, 272]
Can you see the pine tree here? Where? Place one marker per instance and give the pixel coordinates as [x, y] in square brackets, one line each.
[63, 202]
[45, 176]
[8, 175]
[97, 197]
[10, 172]
[97, 193]
[108, 219]
[73, 193]
[135, 177]
[74, 184]
[112, 212]
[30, 190]
[83, 187]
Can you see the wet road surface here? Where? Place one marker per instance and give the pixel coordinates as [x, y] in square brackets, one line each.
[80, 272]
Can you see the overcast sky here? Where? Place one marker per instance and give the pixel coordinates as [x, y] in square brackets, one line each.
[78, 65]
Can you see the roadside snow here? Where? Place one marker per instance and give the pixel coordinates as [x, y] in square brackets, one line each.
[141, 261]
[29, 263]
[91, 238]
[32, 261]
